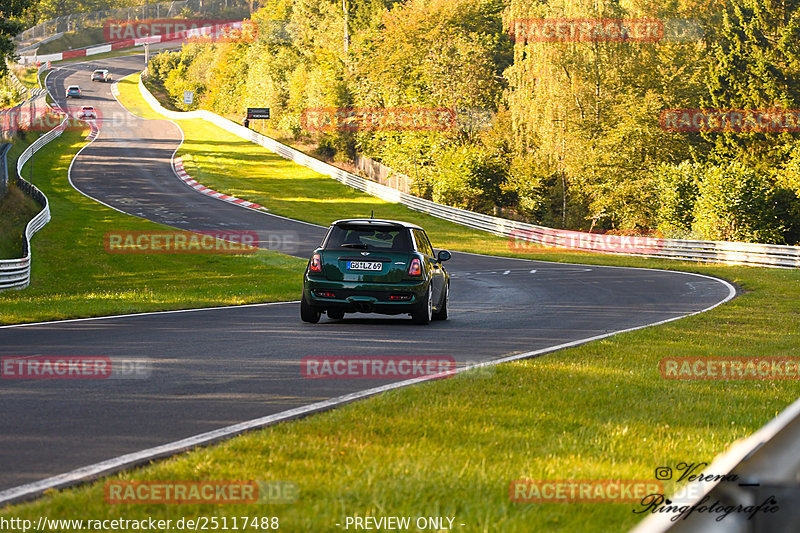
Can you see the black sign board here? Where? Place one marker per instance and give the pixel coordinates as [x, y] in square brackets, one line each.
[257, 112]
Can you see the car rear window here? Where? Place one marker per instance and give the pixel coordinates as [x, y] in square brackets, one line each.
[368, 238]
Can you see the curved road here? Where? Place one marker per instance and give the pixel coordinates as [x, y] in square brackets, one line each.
[217, 367]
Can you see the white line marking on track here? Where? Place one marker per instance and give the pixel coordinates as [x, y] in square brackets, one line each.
[146, 313]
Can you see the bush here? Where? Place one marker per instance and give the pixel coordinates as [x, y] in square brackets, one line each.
[677, 188]
[161, 64]
[736, 203]
[470, 178]
[525, 187]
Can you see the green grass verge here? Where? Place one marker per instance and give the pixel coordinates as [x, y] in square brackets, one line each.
[74, 276]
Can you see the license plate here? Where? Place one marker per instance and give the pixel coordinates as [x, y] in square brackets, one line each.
[364, 265]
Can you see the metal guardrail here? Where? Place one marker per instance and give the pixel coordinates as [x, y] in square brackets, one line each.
[37, 44]
[16, 273]
[519, 233]
[18, 85]
[754, 468]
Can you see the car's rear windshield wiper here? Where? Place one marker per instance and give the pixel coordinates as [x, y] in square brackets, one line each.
[354, 245]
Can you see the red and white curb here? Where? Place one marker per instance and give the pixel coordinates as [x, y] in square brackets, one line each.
[206, 31]
[188, 180]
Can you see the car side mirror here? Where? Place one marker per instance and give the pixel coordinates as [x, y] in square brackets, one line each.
[443, 255]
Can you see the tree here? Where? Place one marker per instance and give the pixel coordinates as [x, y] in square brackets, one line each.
[756, 65]
[10, 11]
[589, 108]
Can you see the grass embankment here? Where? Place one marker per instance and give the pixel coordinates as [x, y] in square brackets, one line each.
[599, 411]
[73, 40]
[26, 75]
[16, 209]
[74, 276]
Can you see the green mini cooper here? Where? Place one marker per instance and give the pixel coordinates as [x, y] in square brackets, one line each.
[376, 266]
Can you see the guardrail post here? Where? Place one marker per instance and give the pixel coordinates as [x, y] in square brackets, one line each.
[4, 169]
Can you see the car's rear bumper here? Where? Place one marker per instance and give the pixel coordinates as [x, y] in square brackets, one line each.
[359, 297]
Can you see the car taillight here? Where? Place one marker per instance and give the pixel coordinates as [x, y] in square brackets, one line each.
[324, 294]
[415, 268]
[399, 297]
[316, 263]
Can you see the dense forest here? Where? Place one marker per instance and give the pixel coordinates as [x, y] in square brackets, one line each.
[564, 132]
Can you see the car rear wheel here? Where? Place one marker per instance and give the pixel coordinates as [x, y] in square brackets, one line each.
[441, 314]
[423, 314]
[309, 313]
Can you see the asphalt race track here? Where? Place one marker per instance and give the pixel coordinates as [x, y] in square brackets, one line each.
[213, 368]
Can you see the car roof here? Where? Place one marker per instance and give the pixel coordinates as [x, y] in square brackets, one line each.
[376, 222]
[100, 70]
[88, 107]
[73, 87]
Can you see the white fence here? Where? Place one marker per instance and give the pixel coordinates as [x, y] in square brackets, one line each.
[520, 234]
[38, 34]
[78, 21]
[16, 273]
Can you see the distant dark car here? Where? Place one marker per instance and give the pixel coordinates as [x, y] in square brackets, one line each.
[73, 91]
[87, 111]
[376, 266]
[101, 75]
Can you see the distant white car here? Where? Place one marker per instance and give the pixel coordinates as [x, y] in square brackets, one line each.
[87, 111]
[101, 75]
